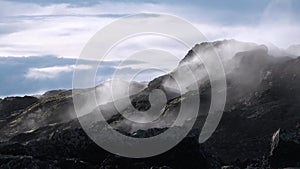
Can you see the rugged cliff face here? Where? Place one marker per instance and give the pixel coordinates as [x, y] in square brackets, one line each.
[262, 97]
[250, 119]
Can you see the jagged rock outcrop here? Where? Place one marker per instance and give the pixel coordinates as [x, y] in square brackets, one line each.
[285, 148]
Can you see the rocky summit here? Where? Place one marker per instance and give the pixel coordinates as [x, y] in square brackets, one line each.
[260, 126]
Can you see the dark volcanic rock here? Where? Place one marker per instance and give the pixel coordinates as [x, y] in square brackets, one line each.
[71, 148]
[187, 154]
[24, 162]
[11, 104]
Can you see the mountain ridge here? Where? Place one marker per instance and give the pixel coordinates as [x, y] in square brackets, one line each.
[263, 96]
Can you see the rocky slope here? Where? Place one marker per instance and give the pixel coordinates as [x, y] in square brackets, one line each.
[259, 127]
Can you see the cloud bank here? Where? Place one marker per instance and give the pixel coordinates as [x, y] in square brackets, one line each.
[62, 29]
[53, 72]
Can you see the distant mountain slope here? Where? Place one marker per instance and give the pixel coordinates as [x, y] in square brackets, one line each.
[24, 114]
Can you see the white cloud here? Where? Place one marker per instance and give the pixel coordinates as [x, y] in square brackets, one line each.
[59, 29]
[52, 72]
[63, 30]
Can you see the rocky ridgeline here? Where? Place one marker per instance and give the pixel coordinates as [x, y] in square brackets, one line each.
[259, 127]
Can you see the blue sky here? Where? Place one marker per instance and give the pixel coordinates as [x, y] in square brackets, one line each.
[41, 39]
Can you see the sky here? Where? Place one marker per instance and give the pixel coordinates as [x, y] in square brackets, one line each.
[40, 40]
